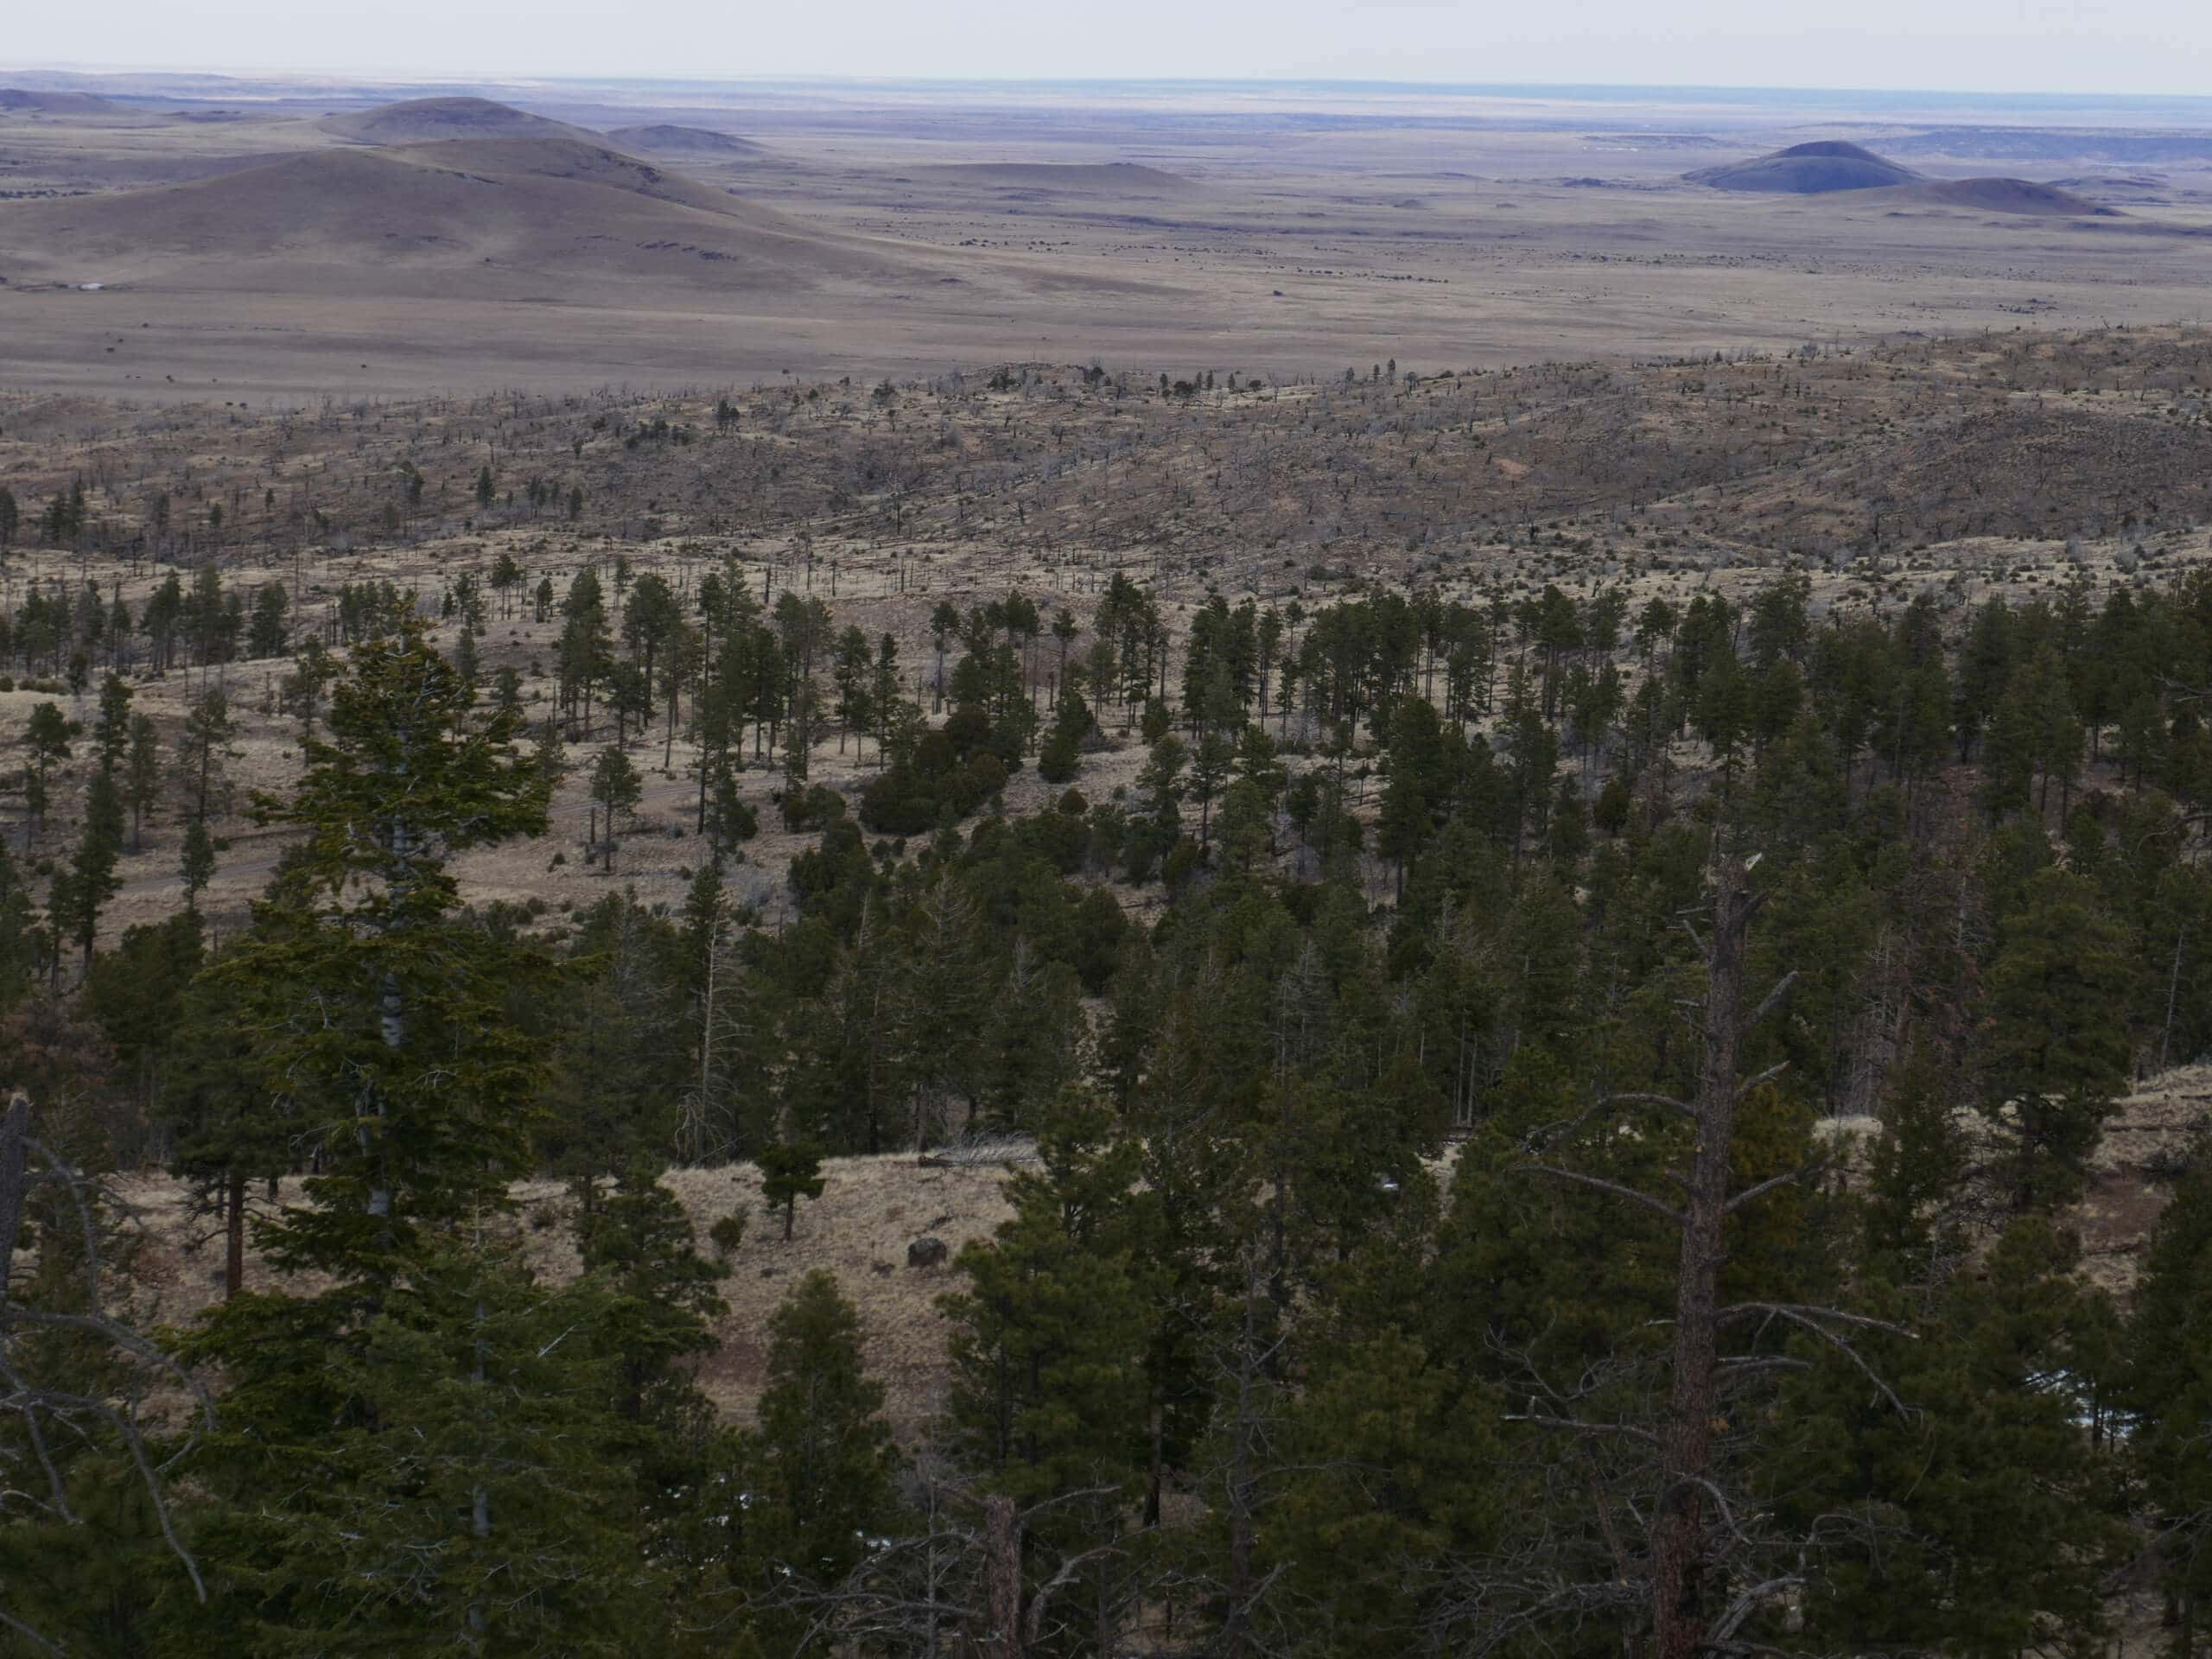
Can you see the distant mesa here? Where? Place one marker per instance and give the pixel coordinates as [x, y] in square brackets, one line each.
[445, 120]
[17, 100]
[2117, 183]
[1092, 178]
[1815, 169]
[2070, 146]
[668, 140]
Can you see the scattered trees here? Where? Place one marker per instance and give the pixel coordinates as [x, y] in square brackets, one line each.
[1663, 1368]
[790, 1171]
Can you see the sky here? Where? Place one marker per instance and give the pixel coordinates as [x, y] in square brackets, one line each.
[2149, 47]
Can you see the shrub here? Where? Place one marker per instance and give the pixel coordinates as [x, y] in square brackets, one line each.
[729, 1233]
[1183, 861]
[814, 807]
[1058, 760]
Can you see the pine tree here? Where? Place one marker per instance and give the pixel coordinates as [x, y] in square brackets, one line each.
[142, 775]
[195, 864]
[790, 1171]
[617, 1065]
[360, 982]
[226, 1131]
[1391, 1483]
[265, 636]
[92, 878]
[616, 787]
[821, 1461]
[2059, 991]
[664, 1299]
[47, 735]
[134, 992]
[584, 651]
[451, 1477]
[112, 730]
[201, 748]
[1048, 1392]
[20, 946]
[2169, 1388]
[1974, 1513]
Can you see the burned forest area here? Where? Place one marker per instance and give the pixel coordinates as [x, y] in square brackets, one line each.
[1077, 1012]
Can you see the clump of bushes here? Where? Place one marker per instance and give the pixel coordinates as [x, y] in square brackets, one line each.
[814, 807]
[946, 776]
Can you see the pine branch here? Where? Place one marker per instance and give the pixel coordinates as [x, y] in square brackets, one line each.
[1618, 1189]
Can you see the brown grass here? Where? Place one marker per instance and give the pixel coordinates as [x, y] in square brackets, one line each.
[870, 1210]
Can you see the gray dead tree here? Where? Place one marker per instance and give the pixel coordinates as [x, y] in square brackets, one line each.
[1702, 1571]
[53, 1414]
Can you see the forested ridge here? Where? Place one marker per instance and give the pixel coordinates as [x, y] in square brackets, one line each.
[1540, 1123]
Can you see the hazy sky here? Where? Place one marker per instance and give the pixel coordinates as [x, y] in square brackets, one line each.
[2093, 45]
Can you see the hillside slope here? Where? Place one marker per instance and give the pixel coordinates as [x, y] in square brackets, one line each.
[15, 101]
[498, 218]
[668, 139]
[1995, 195]
[870, 1210]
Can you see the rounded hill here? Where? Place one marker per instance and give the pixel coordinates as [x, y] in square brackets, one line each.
[443, 120]
[495, 219]
[1813, 170]
[2008, 196]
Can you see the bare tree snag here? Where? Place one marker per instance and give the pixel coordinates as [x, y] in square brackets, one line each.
[1690, 1593]
[1679, 1612]
[42, 1405]
[15, 1145]
[233, 1233]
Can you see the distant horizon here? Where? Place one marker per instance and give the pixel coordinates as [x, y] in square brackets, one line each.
[369, 80]
[2020, 48]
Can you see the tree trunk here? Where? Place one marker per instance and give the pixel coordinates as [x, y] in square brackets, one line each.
[1243, 1479]
[480, 1506]
[391, 1024]
[1679, 1610]
[234, 1234]
[2173, 992]
[15, 1147]
[1001, 1580]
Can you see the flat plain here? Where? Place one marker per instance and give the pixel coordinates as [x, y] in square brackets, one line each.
[258, 240]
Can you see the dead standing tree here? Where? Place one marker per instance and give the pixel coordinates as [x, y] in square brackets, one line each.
[951, 1586]
[54, 1413]
[1701, 1559]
